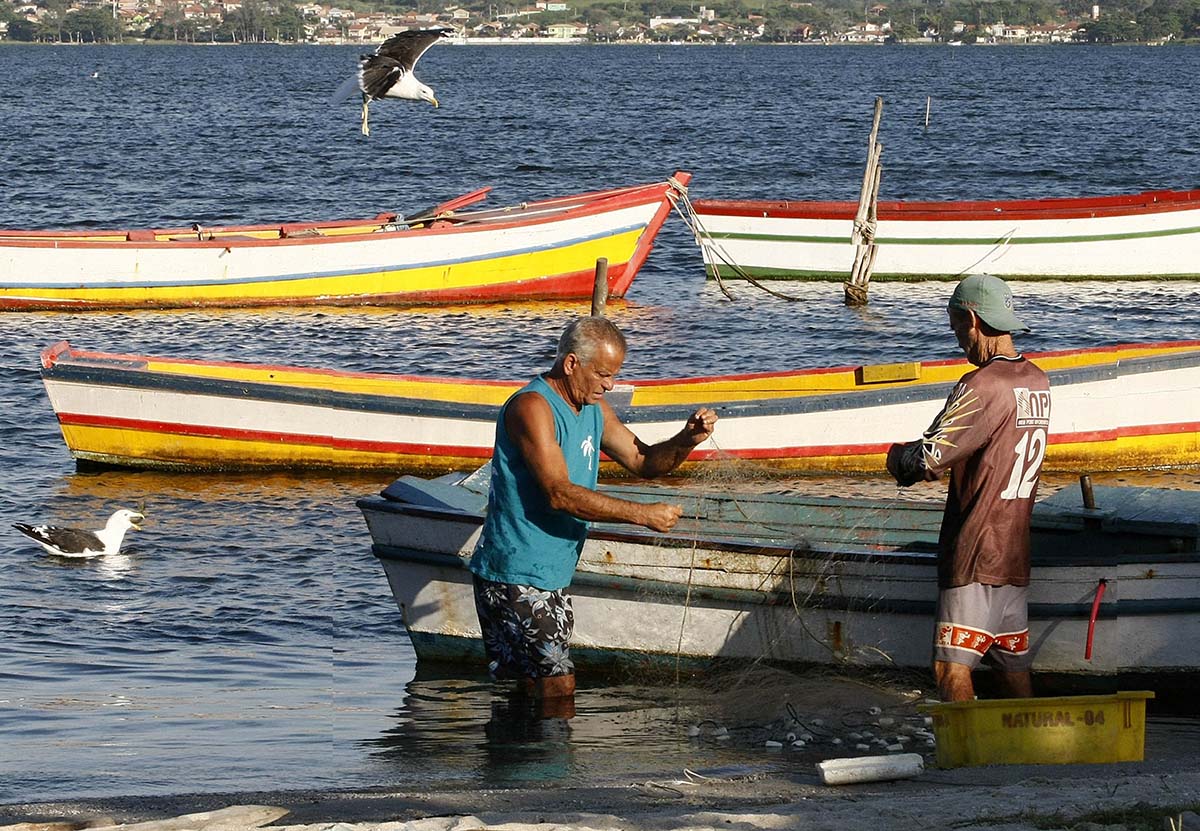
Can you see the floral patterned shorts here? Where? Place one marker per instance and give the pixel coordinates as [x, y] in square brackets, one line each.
[525, 629]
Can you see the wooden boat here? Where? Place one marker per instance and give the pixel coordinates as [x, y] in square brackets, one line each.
[1151, 235]
[542, 249]
[1119, 407]
[1115, 589]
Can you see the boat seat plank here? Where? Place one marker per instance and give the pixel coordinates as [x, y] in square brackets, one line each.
[1137, 510]
[214, 238]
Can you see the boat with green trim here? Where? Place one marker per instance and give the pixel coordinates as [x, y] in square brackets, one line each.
[1115, 592]
[1150, 235]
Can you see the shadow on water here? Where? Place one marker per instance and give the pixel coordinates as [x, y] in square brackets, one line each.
[473, 732]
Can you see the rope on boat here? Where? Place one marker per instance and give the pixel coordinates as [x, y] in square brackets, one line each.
[706, 242]
[687, 600]
[1001, 246]
[840, 657]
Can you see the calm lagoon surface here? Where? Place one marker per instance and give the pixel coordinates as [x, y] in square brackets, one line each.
[247, 639]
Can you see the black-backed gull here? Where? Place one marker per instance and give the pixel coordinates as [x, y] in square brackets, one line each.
[389, 72]
[73, 542]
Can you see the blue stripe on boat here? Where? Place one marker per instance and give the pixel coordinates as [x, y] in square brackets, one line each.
[286, 278]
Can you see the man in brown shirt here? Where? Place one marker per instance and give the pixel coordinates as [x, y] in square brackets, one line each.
[991, 437]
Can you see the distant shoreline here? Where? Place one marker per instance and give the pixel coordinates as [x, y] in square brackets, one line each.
[581, 42]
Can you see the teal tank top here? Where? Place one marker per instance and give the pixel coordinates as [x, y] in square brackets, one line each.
[523, 540]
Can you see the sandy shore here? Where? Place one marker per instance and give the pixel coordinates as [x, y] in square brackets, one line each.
[1014, 798]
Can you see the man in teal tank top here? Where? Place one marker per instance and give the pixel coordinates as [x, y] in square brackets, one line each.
[545, 465]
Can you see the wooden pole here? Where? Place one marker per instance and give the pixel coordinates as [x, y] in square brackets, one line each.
[1089, 495]
[866, 219]
[600, 287]
[1089, 502]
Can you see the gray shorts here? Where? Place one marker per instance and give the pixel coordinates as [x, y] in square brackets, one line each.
[977, 620]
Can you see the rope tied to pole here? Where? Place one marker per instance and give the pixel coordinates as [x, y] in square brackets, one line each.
[706, 242]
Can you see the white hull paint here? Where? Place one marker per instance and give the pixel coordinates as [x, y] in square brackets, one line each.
[115, 268]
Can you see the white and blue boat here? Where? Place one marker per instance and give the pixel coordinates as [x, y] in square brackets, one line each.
[1115, 595]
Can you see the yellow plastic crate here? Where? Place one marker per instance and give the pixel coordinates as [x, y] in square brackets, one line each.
[1041, 731]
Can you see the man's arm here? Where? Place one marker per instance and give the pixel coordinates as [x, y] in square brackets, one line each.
[957, 432]
[530, 425]
[649, 461]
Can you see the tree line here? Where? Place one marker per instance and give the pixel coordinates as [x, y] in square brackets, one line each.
[252, 23]
[782, 20]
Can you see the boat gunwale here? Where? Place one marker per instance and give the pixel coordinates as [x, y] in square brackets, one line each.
[644, 536]
[1085, 207]
[62, 352]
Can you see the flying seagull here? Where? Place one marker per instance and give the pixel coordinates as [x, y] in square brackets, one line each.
[73, 542]
[389, 72]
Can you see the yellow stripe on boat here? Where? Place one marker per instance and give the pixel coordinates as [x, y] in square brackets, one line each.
[618, 248]
[750, 388]
[393, 386]
[117, 446]
[1125, 453]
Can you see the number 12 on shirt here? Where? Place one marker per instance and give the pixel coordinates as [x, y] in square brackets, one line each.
[1029, 452]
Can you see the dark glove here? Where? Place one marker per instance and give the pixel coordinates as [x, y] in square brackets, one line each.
[901, 466]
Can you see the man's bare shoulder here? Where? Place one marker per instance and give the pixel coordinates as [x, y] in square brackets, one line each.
[526, 410]
[529, 401]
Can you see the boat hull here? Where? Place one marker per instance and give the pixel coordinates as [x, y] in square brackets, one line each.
[814, 581]
[538, 250]
[1154, 235]
[1114, 408]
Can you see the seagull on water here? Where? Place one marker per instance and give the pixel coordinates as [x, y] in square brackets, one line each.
[389, 72]
[73, 542]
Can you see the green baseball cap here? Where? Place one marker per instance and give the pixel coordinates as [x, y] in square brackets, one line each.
[990, 298]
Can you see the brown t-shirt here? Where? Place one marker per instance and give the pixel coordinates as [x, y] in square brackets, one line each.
[991, 436]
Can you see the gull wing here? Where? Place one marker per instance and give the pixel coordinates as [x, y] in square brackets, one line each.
[406, 48]
[66, 540]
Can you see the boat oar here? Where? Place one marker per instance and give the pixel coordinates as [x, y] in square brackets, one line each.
[452, 205]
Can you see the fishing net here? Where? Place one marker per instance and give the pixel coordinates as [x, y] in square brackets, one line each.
[823, 708]
[791, 577]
